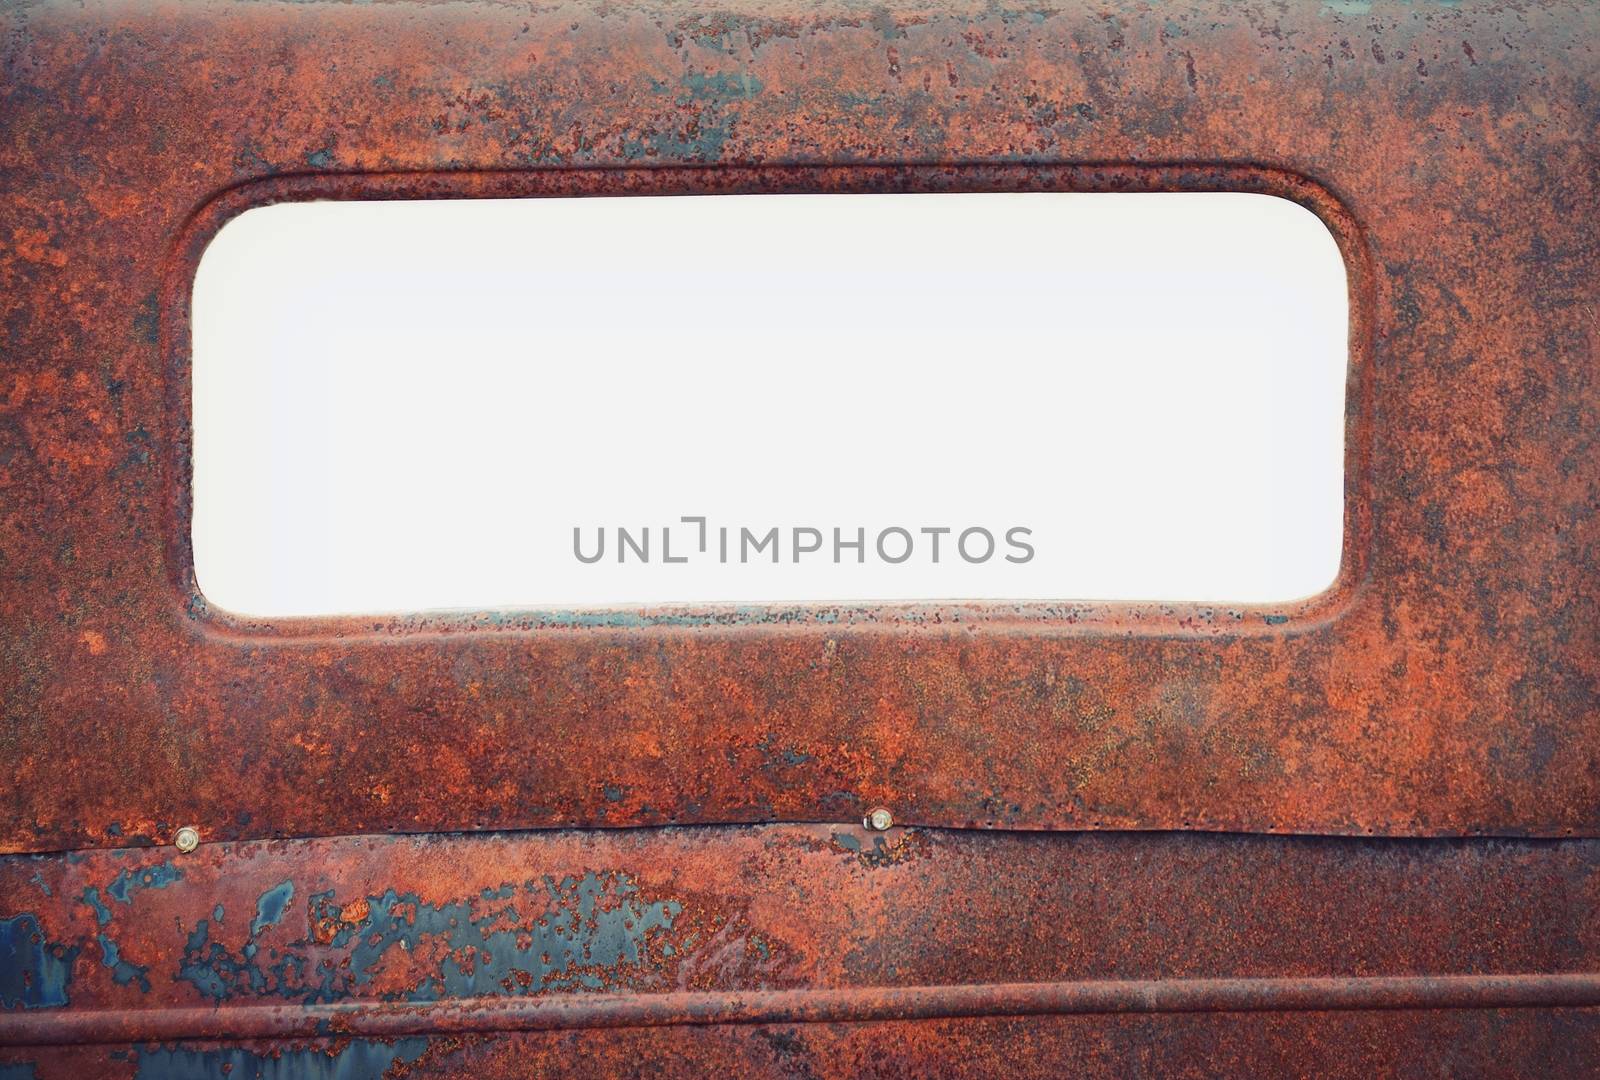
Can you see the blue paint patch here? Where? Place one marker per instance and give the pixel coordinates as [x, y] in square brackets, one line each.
[1275, 620]
[91, 897]
[217, 973]
[362, 1060]
[20, 1070]
[214, 975]
[702, 86]
[773, 756]
[122, 972]
[34, 973]
[270, 906]
[129, 882]
[700, 138]
[122, 889]
[576, 942]
[578, 933]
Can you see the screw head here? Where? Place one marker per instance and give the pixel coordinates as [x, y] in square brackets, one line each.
[879, 820]
[187, 839]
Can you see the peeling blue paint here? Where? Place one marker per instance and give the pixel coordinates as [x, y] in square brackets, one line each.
[360, 1060]
[128, 882]
[102, 913]
[579, 933]
[122, 889]
[218, 974]
[269, 908]
[34, 973]
[122, 972]
[721, 86]
[700, 139]
[428, 990]
[773, 756]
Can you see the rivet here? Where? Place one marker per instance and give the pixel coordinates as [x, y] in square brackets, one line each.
[187, 839]
[878, 820]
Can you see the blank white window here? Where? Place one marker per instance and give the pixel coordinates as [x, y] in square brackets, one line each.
[401, 406]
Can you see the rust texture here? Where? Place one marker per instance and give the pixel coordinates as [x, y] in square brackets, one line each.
[1357, 1046]
[1447, 685]
[386, 943]
[1443, 697]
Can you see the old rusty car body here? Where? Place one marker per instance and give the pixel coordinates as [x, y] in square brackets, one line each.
[1354, 836]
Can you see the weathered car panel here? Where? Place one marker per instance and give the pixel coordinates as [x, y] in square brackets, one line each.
[1446, 687]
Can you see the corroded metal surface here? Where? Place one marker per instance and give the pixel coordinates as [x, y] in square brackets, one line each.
[1448, 684]
[384, 939]
[1355, 1045]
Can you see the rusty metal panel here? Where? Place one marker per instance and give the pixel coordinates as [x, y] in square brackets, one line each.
[1448, 686]
[383, 941]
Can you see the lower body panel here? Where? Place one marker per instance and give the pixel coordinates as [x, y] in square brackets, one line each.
[803, 950]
